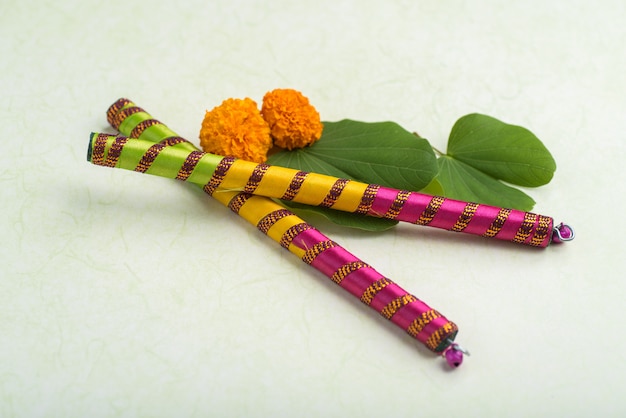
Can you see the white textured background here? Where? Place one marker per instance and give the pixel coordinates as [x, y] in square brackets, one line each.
[128, 295]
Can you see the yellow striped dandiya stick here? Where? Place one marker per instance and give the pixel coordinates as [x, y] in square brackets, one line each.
[219, 174]
[360, 279]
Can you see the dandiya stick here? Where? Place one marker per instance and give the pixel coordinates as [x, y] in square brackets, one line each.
[360, 279]
[217, 174]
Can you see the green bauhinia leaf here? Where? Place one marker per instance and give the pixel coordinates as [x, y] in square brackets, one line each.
[505, 152]
[382, 153]
[301, 160]
[434, 188]
[463, 182]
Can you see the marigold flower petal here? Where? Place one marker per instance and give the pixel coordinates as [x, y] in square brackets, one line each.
[293, 121]
[236, 128]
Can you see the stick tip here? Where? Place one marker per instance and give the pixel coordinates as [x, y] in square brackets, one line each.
[90, 147]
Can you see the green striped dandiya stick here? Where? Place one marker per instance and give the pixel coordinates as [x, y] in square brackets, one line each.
[360, 279]
[223, 174]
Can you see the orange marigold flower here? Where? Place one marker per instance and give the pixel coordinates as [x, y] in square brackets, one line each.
[293, 121]
[236, 128]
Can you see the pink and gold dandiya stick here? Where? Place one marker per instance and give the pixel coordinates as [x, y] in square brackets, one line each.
[230, 174]
[354, 275]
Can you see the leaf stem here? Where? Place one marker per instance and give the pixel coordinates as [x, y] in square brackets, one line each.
[439, 153]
